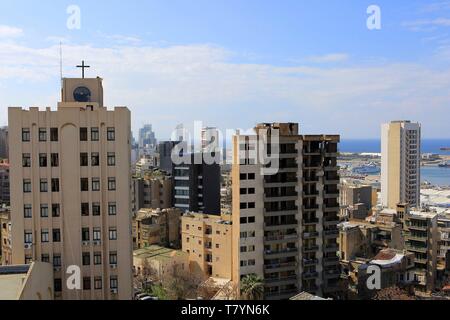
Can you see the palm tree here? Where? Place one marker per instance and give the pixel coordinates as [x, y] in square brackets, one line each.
[252, 287]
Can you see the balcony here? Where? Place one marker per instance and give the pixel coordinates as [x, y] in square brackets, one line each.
[331, 274]
[280, 238]
[330, 261]
[281, 295]
[310, 275]
[309, 249]
[413, 248]
[280, 253]
[331, 233]
[312, 207]
[331, 194]
[284, 226]
[331, 248]
[310, 235]
[331, 221]
[418, 227]
[281, 281]
[309, 262]
[417, 238]
[280, 267]
[310, 221]
[308, 180]
[311, 194]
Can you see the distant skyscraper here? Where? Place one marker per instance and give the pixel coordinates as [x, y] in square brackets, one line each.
[210, 139]
[147, 141]
[70, 191]
[4, 143]
[400, 163]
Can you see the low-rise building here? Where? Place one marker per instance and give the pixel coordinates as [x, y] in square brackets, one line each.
[356, 199]
[27, 282]
[4, 183]
[158, 262]
[157, 227]
[207, 240]
[5, 237]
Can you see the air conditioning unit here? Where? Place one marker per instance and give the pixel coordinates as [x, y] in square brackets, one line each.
[113, 266]
[28, 245]
[56, 269]
[86, 243]
[97, 243]
[114, 291]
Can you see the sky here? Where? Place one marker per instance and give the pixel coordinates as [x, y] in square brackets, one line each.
[232, 64]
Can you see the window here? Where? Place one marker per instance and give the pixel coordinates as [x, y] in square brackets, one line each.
[251, 248]
[56, 260]
[86, 259]
[45, 258]
[98, 283]
[84, 159]
[112, 209]
[54, 158]
[96, 209]
[251, 176]
[243, 263]
[56, 235]
[26, 186]
[111, 184]
[251, 205]
[251, 262]
[44, 185]
[251, 191]
[111, 134]
[95, 159]
[85, 209]
[43, 160]
[86, 283]
[27, 211]
[85, 234]
[55, 185]
[28, 237]
[243, 220]
[42, 134]
[56, 210]
[94, 134]
[251, 219]
[111, 159]
[112, 234]
[84, 184]
[243, 176]
[53, 134]
[28, 259]
[243, 191]
[113, 258]
[97, 234]
[25, 135]
[97, 258]
[113, 282]
[44, 211]
[83, 134]
[44, 236]
[243, 249]
[57, 285]
[243, 205]
[26, 160]
[95, 184]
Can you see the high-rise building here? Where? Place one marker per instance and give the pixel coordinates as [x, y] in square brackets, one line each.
[285, 222]
[4, 150]
[197, 185]
[210, 140]
[165, 155]
[4, 183]
[70, 191]
[147, 141]
[400, 163]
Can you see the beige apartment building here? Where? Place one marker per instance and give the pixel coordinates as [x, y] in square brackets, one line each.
[70, 191]
[5, 237]
[400, 164]
[152, 190]
[157, 227]
[207, 240]
[27, 282]
[285, 224]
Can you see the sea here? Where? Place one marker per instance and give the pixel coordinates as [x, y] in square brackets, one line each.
[435, 175]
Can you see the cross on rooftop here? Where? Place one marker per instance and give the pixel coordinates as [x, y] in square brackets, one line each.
[83, 66]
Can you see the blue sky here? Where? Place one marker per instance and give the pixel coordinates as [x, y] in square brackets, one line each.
[234, 63]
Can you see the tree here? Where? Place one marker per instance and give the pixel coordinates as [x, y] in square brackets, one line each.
[393, 293]
[252, 287]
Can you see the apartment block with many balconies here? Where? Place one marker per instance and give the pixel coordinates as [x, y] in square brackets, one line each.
[285, 224]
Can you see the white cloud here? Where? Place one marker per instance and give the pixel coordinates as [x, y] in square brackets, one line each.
[166, 86]
[333, 57]
[10, 32]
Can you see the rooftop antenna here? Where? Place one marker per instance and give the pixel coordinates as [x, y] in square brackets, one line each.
[61, 66]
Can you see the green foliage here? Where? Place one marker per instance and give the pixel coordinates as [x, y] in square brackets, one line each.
[252, 287]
